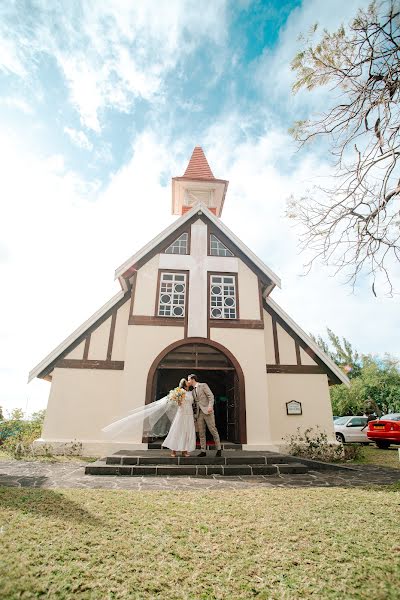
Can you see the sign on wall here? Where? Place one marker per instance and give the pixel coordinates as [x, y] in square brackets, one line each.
[294, 408]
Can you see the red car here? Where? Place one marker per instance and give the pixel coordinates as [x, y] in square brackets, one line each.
[385, 431]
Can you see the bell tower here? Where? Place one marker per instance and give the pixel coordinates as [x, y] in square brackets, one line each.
[198, 184]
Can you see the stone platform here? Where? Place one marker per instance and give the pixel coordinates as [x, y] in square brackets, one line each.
[159, 463]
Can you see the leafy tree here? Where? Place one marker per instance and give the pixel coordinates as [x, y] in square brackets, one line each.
[353, 223]
[375, 382]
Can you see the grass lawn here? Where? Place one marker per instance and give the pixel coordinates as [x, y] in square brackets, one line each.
[271, 543]
[50, 459]
[384, 458]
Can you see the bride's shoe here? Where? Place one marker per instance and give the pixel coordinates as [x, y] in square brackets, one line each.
[185, 454]
[173, 455]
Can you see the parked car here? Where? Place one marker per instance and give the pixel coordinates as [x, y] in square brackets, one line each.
[351, 429]
[385, 431]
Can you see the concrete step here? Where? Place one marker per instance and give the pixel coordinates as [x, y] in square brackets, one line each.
[168, 470]
[235, 458]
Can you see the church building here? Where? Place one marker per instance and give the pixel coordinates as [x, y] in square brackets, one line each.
[195, 299]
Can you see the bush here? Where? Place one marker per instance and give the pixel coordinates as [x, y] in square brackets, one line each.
[315, 445]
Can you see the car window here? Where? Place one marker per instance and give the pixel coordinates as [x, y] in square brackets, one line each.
[341, 420]
[357, 422]
[392, 417]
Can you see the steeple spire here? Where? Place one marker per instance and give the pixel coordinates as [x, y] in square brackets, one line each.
[198, 184]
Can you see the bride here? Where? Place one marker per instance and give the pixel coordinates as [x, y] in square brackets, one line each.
[182, 436]
[154, 420]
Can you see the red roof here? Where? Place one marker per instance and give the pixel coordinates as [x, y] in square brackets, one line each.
[198, 167]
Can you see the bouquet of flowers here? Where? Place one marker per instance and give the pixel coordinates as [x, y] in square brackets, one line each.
[177, 395]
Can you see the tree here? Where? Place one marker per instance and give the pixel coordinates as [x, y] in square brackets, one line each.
[375, 381]
[354, 223]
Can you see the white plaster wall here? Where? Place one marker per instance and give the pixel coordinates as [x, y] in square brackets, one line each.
[77, 353]
[312, 391]
[81, 402]
[249, 298]
[146, 288]
[143, 344]
[120, 333]
[287, 348]
[306, 358]
[248, 347]
[269, 339]
[99, 341]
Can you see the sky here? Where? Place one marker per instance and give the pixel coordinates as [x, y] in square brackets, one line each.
[101, 103]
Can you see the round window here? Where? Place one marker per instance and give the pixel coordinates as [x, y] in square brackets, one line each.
[229, 302]
[179, 288]
[178, 311]
[216, 313]
[216, 290]
[165, 299]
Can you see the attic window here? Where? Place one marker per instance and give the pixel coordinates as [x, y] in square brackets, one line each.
[179, 246]
[217, 248]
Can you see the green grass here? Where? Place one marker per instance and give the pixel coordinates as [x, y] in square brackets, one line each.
[49, 459]
[376, 456]
[265, 543]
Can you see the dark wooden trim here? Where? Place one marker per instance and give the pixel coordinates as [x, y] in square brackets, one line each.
[160, 321]
[84, 335]
[112, 365]
[151, 378]
[133, 292]
[86, 348]
[260, 297]
[236, 324]
[276, 343]
[310, 369]
[111, 336]
[332, 376]
[184, 366]
[298, 355]
[186, 315]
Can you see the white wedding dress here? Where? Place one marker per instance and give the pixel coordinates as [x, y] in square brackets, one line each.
[182, 435]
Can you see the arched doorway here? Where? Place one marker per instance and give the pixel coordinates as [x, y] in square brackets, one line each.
[214, 364]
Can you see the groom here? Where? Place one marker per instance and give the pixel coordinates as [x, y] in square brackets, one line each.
[204, 399]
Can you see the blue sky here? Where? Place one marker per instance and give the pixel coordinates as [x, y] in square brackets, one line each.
[101, 103]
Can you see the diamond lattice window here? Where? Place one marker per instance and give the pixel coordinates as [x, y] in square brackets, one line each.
[223, 297]
[217, 248]
[171, 302]
[179, 246]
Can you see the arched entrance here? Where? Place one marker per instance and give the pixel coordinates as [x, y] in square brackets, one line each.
[215, 365]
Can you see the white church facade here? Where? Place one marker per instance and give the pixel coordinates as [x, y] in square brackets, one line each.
[194, 299]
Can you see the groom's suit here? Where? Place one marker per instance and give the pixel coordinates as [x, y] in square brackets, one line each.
[204, 399]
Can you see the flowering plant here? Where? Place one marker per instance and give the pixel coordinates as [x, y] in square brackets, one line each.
[177, 395]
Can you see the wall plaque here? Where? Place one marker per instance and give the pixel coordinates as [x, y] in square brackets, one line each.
[294, 408]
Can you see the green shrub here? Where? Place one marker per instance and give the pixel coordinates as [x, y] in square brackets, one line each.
[314, 444]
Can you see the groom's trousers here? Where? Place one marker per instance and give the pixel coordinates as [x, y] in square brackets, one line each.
[202, 420]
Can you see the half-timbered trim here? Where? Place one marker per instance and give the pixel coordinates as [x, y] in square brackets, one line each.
[298, 355]
[236, 323]
[276, 343]
[111, 336]
[86, 348]
[133, 291]
[320, 363]
[44, 369]
[112, 365]
[162, 321]
[310, 369]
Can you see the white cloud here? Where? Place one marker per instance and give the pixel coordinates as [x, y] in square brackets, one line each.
[18, 103]
[112, 52]
[79, 138]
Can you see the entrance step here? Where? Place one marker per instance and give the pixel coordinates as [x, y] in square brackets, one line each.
[168, 470]
[159, 463]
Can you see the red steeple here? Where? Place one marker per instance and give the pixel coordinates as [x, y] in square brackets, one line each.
[198, 167]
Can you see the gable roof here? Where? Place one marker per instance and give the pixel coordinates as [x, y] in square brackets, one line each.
[198, 167]
[336, 371]
[125, 270]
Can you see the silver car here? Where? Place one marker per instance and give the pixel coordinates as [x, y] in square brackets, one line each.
[351, 429]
